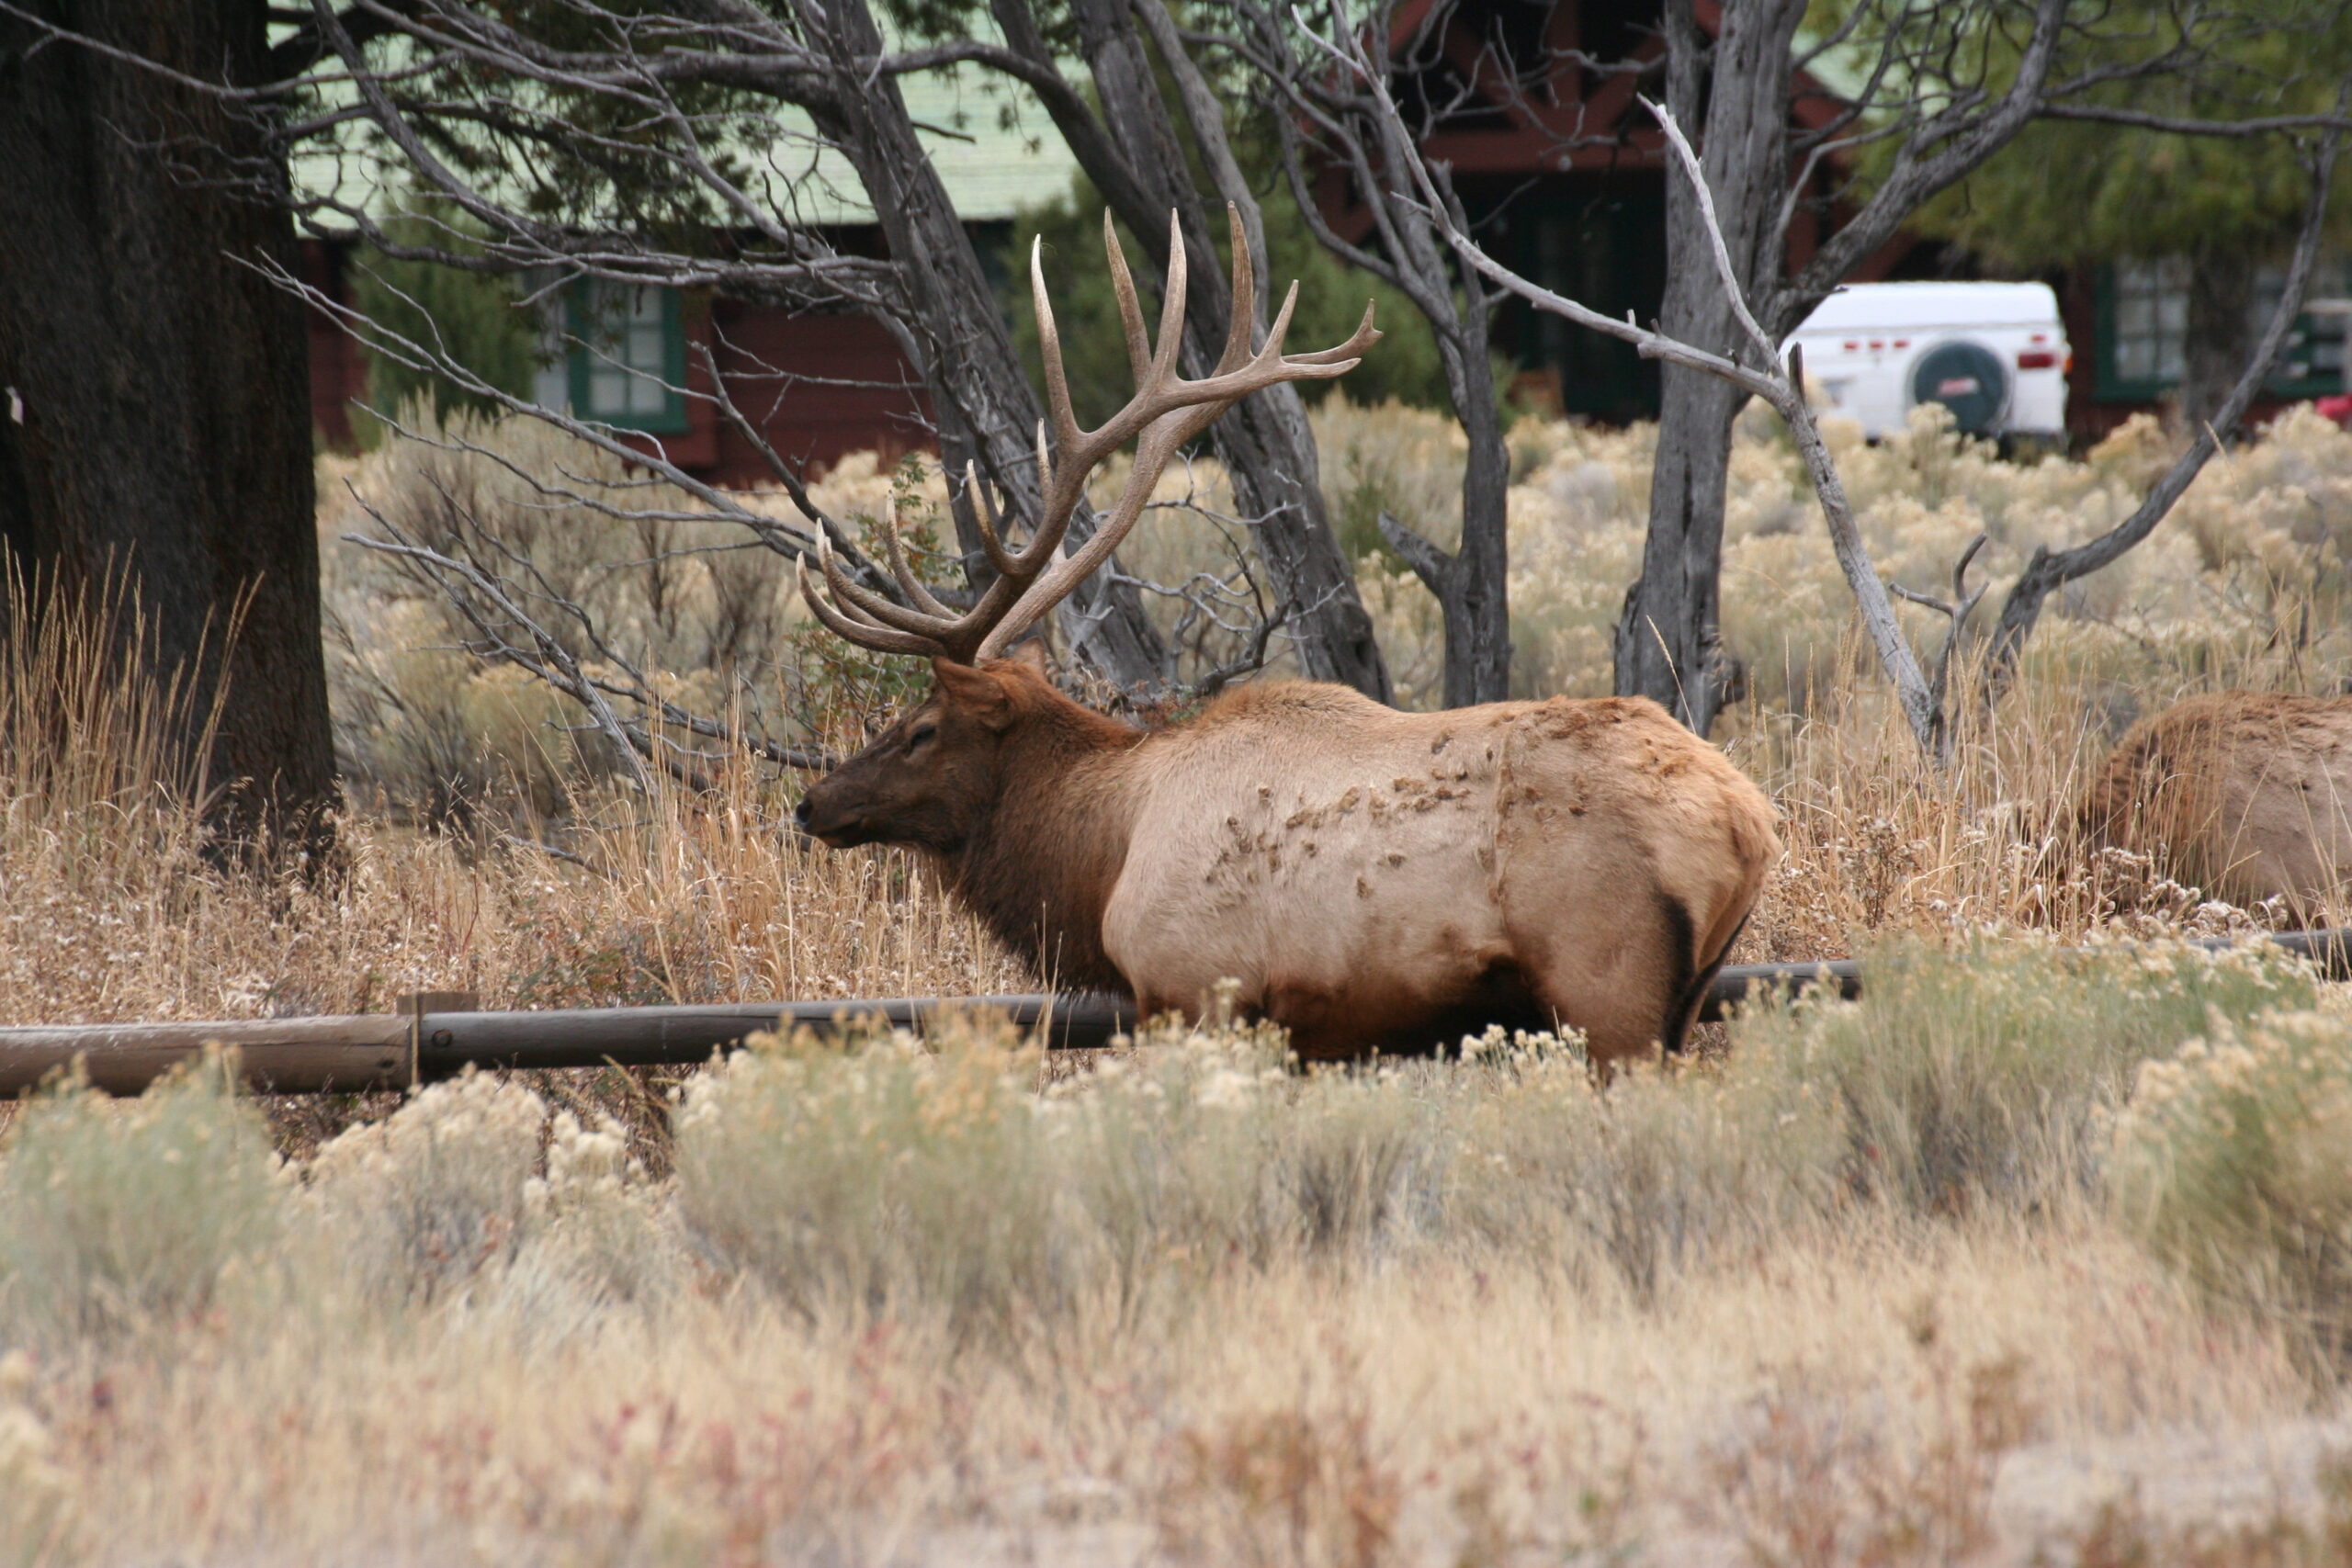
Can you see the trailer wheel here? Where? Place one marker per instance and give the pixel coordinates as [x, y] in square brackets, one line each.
[1966, 378]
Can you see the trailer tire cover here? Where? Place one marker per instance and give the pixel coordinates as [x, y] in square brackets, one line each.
[1966, 378]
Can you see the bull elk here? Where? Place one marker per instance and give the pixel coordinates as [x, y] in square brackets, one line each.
[1372, 879]
[2248, 795]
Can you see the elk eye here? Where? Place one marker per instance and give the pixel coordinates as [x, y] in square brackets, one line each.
[923, 733]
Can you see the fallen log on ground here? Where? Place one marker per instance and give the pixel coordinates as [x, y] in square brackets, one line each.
[440, 1034]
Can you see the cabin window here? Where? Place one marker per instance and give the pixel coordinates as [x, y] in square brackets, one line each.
[2143, 329]
[619, 356]
[2145, 324]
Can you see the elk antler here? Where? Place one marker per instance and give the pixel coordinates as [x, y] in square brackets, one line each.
[1166, 412]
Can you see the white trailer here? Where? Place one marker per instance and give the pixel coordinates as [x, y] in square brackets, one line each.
[1995, 354]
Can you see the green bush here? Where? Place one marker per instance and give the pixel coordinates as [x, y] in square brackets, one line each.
[883, 1178]
[1979, 1074]
[2233, 1162]
[1644, 1177]
[118, 1216]
[476, 320]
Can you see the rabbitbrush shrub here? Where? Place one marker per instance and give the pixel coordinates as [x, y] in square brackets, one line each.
[2233, 1162]
[118, 1217]
[1979, 1074]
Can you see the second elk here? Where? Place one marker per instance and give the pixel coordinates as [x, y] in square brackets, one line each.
[2247, 795]
[1373, 880]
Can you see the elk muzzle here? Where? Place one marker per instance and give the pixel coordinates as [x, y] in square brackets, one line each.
[822, 816]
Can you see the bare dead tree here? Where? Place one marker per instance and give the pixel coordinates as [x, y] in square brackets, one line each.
[1133, 144]
[1932, 91]
[1752, 368]
[2048, 571]
[1329, 120]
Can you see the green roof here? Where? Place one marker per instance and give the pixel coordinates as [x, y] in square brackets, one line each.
[992, 142]
[995, 149]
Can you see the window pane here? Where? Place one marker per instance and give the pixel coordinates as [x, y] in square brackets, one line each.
[607, 391]
[645, 348]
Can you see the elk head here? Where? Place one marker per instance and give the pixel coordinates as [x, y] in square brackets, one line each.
[927, 780]
[933, 777]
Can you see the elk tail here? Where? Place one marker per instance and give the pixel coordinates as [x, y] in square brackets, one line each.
[1686, 1006]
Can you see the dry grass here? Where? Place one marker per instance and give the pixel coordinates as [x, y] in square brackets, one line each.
[1919, 1280]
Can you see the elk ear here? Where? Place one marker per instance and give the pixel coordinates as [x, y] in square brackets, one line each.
[1032, 652]
[976, 692]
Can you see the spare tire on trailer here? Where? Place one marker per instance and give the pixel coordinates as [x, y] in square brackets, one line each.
[1966, 378]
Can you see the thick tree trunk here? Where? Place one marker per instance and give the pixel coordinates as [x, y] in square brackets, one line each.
[986, 407]
[1266, 444]
[1670, 644]
[1668, 640]
[1477, 624]
[2220, 331]
[163, 380]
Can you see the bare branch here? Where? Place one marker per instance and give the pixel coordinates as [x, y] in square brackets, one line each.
[2048, 570]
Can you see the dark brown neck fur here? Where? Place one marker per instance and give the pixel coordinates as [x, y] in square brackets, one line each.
[1039, 870]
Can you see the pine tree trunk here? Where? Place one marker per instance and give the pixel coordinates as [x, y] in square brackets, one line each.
[2221, 332]
[163, 382]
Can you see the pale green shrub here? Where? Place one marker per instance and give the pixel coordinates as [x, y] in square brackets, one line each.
[883, 1179]
[1167, 1154]
[421, 1202]
[1641, 1177]
[2233, 1161]
[1979, 1074]
[35, 1492]
[118, 1216]
[1201, 1147]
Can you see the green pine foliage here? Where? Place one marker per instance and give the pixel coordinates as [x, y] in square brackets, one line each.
[2066, 193]
[475, 318]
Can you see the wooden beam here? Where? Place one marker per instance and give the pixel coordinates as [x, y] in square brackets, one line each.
[345, 1055]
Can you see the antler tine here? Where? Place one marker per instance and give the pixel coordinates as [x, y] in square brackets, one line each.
[1160, 440]
[1130, 313]
[910, 584]
[1166, 412]
[1245, 295]
[873, 609]
[1365, 335]
[1272, 353]
[991, 522]
[882, 639]
[1172, 315]
[1049, 349]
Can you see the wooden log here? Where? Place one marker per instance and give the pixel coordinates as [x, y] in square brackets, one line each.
[431, 1039]
[279, 1056]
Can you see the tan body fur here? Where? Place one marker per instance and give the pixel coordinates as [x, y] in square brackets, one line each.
[2248, 795]
[1372, 879]
[1365, 874]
